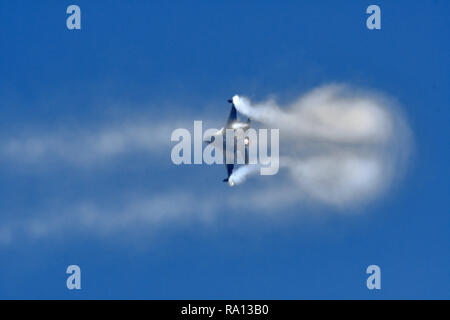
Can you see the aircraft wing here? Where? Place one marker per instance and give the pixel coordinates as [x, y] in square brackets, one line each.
[246, 155]
[230, 168]
[232, 117]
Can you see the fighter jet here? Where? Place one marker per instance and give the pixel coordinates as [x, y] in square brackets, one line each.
[233, 123]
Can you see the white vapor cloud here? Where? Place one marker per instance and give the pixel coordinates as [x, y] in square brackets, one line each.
[240, 174]
[87, 146]
[341, 146]
[145, 213]
[338, 146]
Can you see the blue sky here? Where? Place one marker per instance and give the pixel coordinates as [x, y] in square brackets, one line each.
[85, 171]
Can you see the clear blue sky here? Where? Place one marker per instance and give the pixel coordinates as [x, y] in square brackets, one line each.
[158, 62]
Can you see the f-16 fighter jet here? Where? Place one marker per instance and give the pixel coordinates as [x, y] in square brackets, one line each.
[234, 124]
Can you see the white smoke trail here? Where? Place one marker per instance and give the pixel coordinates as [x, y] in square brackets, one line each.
[240, 175]
[341, 146]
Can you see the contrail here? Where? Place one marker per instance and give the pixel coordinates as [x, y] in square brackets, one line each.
[340, 146]
[240, 175]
